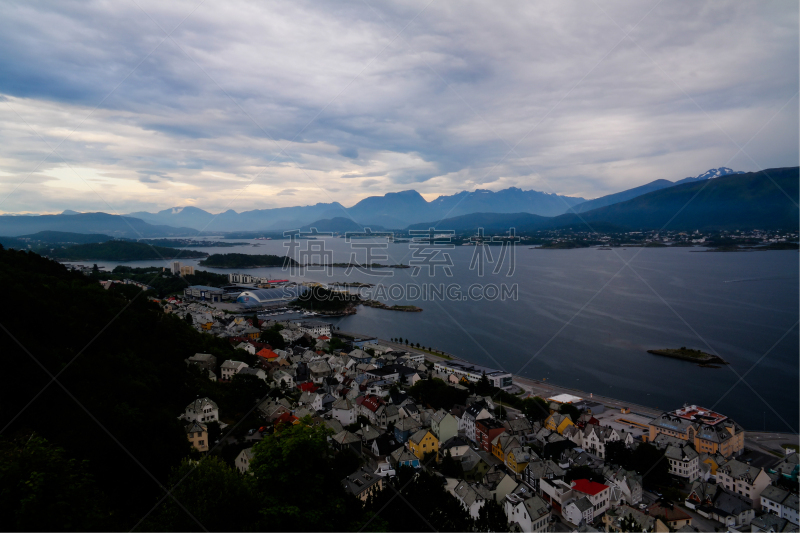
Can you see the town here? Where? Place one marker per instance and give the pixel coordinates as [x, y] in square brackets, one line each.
[557, 463]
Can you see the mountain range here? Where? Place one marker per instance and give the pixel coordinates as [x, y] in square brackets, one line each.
[725, 198]
[399, 209]
[392, 210]
[648, 187]
[765, 200]
[113, 225]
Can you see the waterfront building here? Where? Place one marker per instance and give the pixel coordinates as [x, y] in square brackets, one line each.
[262, 297]
[474, 373]
[708, 431]
[315, 328]
[203, 293]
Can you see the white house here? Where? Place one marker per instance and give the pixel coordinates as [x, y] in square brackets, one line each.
[231, 368]
[684, 461]
[781, 503]
[344, 411]
[283, 379]
[598, 494]
[321, 401]
[315, 328]
[247, 347]
[472, 496]
[532, 514]
[202, 410]
[627, 484]
[243, 460]
[579, 510]
[476, 411]
[741, 478]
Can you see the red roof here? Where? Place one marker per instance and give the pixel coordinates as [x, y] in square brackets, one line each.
[308, 386]
[588, 487]
[285, 418]
[372, 403]
[323, 338]
[267, 354]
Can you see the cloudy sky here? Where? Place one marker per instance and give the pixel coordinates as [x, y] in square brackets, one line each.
[145, 105]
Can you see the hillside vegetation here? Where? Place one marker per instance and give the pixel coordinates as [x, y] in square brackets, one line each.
[121, 251]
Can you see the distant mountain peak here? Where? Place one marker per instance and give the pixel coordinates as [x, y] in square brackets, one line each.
[717, 172]
[70, 212]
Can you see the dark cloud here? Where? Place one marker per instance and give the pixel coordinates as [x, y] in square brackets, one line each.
[548, 95]
[351, 153]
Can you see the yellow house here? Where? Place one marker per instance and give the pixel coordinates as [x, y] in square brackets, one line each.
[518, 458]
[558, 422]
[207, 325]
[422, 442]
[502, 443]
[197, 434]
[714, 462]
[708, 431]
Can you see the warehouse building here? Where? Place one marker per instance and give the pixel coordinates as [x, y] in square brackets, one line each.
[204, 293]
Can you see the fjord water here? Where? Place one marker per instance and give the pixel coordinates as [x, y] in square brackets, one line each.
[584, 319]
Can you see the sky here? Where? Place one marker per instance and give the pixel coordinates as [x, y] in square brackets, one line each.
[145, 105]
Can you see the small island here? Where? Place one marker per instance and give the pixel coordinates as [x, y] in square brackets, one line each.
[380, 305]
[246, 261]
[121, 251]
[744, 248]
[186, 243]
[563, 245]
[357, 284]
[688, 354]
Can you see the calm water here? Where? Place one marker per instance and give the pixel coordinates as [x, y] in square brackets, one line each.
[584, 319]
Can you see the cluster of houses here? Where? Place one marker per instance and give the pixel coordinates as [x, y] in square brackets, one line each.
[360, 393]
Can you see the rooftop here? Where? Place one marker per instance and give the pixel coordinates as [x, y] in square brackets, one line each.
[699, 414]
[565, 398]
[588, 487]
[472, 368]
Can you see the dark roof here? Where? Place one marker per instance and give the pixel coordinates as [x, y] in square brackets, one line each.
[386, 444]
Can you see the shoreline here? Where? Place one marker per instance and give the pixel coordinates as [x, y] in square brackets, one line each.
[545, 390]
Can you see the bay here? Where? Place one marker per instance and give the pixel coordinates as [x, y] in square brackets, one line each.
[585, 318]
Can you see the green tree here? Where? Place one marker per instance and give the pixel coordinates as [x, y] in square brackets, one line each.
[618, 454]
[406, 342]
[483, 387]
[214, 433]
[583, 472]
[208, 492]
[294, 472]
[244, 391]
[570, 410]
[188, 318]
[436, 394]
[491, 517]
[535, 408]
[273, 337]
[425, 504]
[649, 462]
[450, 467]
[42, 489]
[629, 524]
